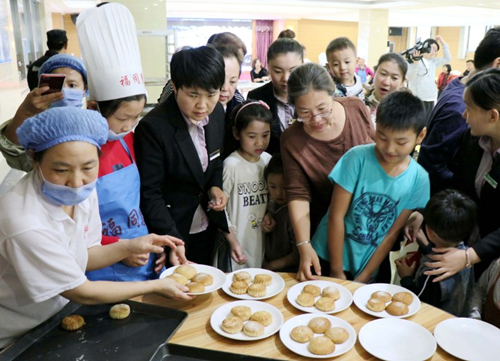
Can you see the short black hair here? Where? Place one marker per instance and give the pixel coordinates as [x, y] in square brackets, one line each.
[488, 49]
[484, 88]
[451, 215]
[56, 39]
[201, 68]
[109, 107]
[448, 67]
[470, 61]
[401, 111]
[340, 44]
[275, 166]
[284, 46]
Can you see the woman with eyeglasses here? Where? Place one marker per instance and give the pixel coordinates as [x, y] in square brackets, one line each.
[325, 129]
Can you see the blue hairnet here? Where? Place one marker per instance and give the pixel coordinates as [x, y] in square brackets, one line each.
[59, 125]
[63, 61]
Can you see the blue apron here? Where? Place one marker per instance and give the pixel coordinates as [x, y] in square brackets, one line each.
[119, 197]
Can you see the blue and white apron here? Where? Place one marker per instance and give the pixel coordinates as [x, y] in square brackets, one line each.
[119, 197]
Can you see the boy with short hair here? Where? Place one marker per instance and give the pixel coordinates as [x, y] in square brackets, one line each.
[377, 186]
[450, 218]
[342, 62]
[280, 252]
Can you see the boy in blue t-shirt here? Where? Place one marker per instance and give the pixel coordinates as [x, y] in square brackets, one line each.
[376, 188]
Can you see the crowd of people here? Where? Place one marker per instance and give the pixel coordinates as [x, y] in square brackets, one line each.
[312, 173]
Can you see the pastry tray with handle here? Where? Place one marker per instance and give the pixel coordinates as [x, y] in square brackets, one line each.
[137, 337]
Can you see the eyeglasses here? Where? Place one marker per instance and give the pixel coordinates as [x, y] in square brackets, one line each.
[315, 116]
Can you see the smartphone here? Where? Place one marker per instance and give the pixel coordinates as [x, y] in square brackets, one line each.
[54, 81]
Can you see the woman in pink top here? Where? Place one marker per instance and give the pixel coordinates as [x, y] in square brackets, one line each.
[325, 129]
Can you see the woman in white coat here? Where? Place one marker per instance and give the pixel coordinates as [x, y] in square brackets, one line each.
[50, 229]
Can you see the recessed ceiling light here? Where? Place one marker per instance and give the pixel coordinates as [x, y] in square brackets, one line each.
[145, 8]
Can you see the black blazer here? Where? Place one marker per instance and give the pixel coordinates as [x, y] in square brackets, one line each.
[464, 168]
[266, 94]
[172, 180]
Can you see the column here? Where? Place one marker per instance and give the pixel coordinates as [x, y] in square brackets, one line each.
[373, 32]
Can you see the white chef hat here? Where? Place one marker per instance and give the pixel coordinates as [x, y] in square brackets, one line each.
[109, 47]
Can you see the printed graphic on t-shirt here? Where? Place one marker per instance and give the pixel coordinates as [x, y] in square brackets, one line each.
[253, 193]
[373, 215]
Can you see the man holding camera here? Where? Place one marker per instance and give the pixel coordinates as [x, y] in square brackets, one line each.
[422, 71]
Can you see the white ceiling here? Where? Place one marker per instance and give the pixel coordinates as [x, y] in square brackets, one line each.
[401, 13]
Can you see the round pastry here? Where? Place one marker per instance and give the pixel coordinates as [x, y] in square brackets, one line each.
[405, 297]
[203, 278]
[397, 308]
[337, 334]
[242, 276]
[325, 304]
[239, 287]
[72, 323]
[321, 346]
[264, 279]
[305, 299]
[242, 312]
[319, 324]
[302, 334]
[382, 295]
[186, 270]
[253, 329]
[119, 311]
[195, 287]
[262, 317]
[257, 290]
[312, 289]
[179, 278]
[375, 305]
[232, 325]
[331, 292]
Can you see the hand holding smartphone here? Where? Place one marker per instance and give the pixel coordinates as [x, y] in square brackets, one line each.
[54, 81]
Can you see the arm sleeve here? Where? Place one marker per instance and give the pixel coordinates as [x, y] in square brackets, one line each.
[14, 154]
[421, 190]
[480, 291]
[441, 145]
[369, 72]
[227, 187]
[296, 181]
[488, 248]
[446, 56]
[151, 164]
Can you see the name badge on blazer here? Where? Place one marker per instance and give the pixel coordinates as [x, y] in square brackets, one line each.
[215, 155]
[491, 181]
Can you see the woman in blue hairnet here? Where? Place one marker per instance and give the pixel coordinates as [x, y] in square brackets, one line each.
[50, 229]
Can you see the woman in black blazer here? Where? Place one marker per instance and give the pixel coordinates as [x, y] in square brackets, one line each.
[178, 146]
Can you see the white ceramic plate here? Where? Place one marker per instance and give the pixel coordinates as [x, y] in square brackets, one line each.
[363, 294]
[469, 339]
[301, 348]
[341, 304]
[272, 290]
[217, 274]
[225, 310]
[398, 340]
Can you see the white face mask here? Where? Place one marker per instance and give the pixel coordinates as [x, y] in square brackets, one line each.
[113, 136]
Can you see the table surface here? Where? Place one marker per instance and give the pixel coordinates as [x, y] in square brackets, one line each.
[197, 332]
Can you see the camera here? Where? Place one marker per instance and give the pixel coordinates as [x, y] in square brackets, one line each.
[425, 47]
